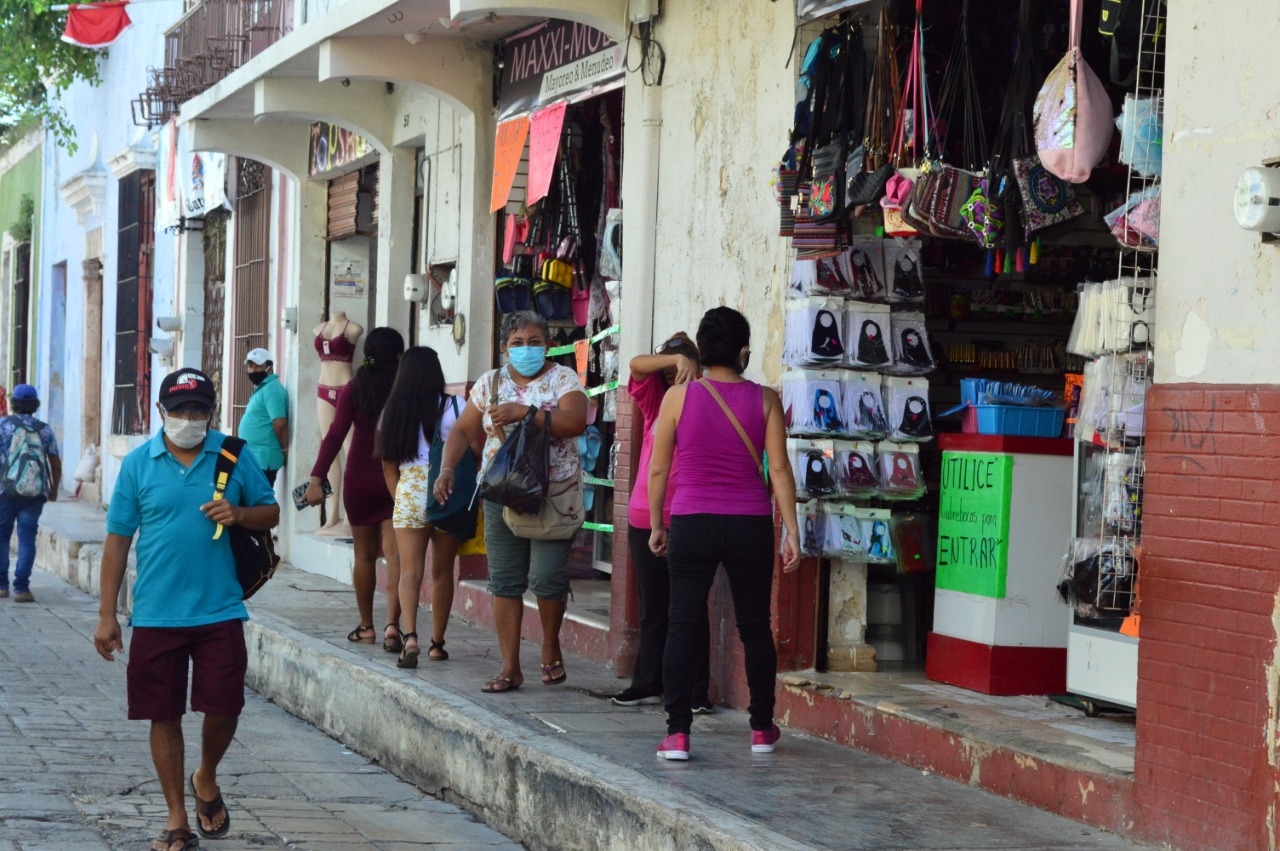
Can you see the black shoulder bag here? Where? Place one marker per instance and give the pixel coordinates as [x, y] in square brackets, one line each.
[255, 554]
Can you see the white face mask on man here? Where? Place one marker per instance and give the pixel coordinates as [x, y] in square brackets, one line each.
[185, 434]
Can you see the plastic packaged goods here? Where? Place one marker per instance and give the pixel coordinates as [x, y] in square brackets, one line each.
[864, 411]
[898, 465]
[862, 265]
[914, 542]
[813, 401]
[912, 352]
[819, 277]
[813, 462]
[809, 517]
[842, 532]
[857, 474]
[814, 332]
[903, 272]
[874, 523]
[867, 330]
[907, 400]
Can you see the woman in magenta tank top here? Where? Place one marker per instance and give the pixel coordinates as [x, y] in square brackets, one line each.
[716, 429]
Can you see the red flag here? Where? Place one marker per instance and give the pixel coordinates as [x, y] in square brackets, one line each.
[96, 24]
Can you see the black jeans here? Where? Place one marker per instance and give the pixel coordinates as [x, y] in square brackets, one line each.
[654, 584]
[271, 475]
[698, 544]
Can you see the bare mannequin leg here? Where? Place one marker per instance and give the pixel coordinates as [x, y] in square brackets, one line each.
[335, 523]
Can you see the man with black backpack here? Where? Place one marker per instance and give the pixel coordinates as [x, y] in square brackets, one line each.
[30, 469]
[188, 602]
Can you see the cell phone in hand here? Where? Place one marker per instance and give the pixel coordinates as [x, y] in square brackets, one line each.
[300, 493]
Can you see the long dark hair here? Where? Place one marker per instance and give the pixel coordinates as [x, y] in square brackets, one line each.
[377, 372]
[416, 402]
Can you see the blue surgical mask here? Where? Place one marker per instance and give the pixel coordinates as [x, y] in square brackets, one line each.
[527, 360]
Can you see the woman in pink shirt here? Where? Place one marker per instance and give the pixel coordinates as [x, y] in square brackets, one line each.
[673, 363]
[716, 428]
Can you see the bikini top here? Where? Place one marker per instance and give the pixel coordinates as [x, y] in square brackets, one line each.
[337, 349]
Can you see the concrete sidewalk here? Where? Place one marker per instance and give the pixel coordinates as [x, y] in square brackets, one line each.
[559, 767]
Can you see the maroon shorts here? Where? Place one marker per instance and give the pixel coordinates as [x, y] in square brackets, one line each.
[157, 674]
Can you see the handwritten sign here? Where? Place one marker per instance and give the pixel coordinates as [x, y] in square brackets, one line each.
[506, 159]
[973, 522]
[544, 142]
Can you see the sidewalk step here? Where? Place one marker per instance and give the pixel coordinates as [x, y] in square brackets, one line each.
[560, 768]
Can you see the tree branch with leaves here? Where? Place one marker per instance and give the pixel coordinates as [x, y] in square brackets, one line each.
[37, 66]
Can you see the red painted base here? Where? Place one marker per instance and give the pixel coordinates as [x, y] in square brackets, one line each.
[996, 670]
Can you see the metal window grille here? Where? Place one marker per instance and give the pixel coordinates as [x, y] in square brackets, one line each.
[250, 299]
[21, 312]
[215, 286]
[135, 247]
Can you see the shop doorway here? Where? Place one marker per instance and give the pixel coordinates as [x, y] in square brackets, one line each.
[21, 313]
[214, 245]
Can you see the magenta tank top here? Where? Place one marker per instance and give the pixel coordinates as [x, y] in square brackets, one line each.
[717, 473]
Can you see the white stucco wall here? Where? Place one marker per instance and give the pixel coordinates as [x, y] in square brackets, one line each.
[727, 105]
[1218, 283]
[100, 113]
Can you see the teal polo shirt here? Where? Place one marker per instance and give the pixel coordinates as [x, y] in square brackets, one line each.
[185, 577]
[269, 401]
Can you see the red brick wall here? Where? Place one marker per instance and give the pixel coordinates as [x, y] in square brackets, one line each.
[1210, 573]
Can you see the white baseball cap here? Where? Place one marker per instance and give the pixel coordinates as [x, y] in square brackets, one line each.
[258, 356]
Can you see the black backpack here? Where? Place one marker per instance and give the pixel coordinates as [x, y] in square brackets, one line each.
[254, 552]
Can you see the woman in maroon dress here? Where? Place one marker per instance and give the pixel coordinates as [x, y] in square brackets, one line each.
[364, 490]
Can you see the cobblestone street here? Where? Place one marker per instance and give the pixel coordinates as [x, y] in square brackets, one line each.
[74, 773]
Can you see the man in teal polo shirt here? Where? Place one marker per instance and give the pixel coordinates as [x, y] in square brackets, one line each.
[187, 602]
[265, 424]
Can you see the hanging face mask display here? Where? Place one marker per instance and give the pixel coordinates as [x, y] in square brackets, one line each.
[812, 401]
[899, 468]
[874, 523]
[863, 406]
[809, 517]
[813, 462]
[830, 278]
[907, 400]
[842, 533]
[912, 353]
[814, 332]
[855, 468]
[866, 329]
[903, 271]
[862, 264]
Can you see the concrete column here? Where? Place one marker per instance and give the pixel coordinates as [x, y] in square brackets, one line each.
[91, 368]
[395, 237]
[846, 626]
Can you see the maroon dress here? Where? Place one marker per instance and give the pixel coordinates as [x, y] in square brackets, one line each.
[364, 489]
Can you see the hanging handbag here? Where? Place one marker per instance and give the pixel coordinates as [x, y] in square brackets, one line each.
[866, 184]
[1046, 199]
[1073, 121]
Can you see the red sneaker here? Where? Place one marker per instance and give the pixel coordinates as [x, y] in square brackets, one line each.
[762, 741]
[674, 746]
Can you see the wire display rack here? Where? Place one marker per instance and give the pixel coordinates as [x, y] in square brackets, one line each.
[1124, 465]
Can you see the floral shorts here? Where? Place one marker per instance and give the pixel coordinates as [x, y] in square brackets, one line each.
[412, 498]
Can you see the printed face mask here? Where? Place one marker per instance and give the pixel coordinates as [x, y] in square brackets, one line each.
[527, 360]
[185, 434]
[871, 348]
[826, 336]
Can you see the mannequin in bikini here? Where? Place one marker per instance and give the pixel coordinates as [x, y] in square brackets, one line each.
[335, 342]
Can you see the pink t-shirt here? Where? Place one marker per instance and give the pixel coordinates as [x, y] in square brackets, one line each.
[647, 393]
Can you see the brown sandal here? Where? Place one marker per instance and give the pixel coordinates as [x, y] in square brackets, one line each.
[166, 840]
[209, 810]
[499, 684]
[395, 643]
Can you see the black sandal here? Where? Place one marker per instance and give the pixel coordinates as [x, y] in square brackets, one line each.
[395, 643]
[437, 647]
[354, 635]
[409, 655]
